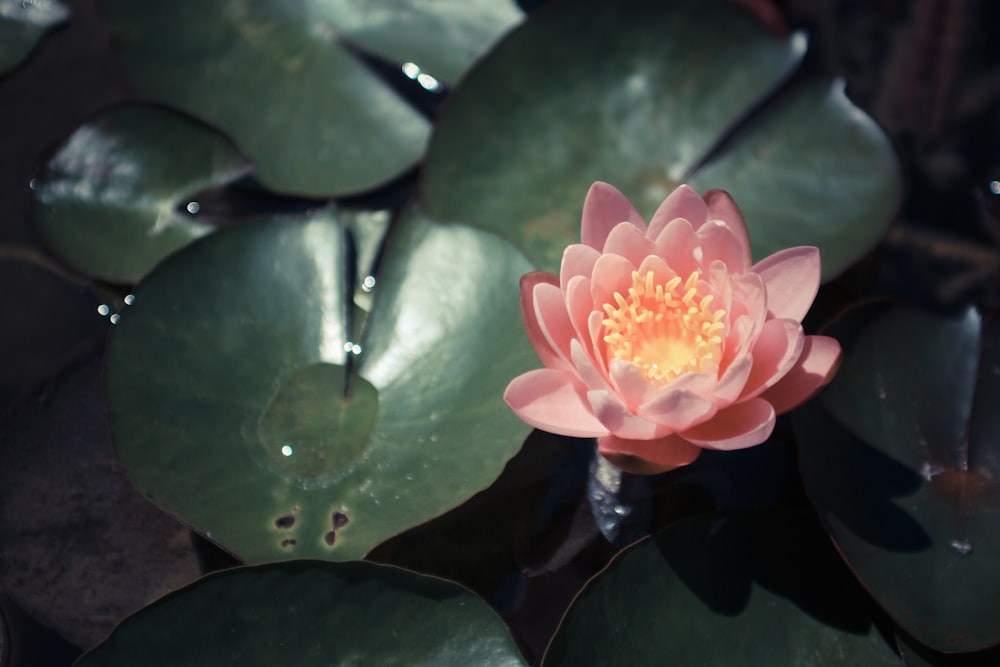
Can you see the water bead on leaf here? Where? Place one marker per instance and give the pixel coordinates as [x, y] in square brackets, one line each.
[664, 339]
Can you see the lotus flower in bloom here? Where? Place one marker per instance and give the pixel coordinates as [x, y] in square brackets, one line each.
[665, 339]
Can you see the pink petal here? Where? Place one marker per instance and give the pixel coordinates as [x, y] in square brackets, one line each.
[677, 408]
[731, 384]
[577, 260]
[626, 240]
[677, 244]
[683, 202]
[722, 207]
[553, 320]
[648, 457]
[591, 374]
[736, 427]
[631, 383]
[579, 304]
[553, 401]
[604, 208]
[596, 327]
[662, 273]
[547, 354]
[612, 413]
[612, 273]
[792, 278]
[816, 366]
[777, 349]
[719, 243]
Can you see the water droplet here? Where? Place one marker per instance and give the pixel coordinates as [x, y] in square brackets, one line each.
[287, 451]
[352, 348]
[103, 310]
[193, 207]
[114, 318]
[963, 547]
[368, 284]
[620, 510]
[995, 187]
[129, 299]
[429, 82]
[412, 70]
[34, 183]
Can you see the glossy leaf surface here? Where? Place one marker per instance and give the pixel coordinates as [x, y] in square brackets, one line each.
[640, 95]
[748, 588]
[312, 613]
[227, 395]
[329, 124]
[22, 24]
[116, 197]
[901, 457]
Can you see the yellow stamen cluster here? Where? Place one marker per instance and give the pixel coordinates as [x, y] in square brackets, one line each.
[665, 330]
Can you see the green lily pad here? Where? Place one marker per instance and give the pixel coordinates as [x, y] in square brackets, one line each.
[748, 588]
[901, 456]
[116, 197]
[22, 24]
[240, 401]
[312, 613]
[640, 96]
[328, 124]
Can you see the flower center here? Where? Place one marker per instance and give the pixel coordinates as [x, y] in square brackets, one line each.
[665, 330]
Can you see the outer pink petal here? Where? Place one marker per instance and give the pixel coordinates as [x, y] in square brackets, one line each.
[612, 413]
[553, 401]
[579, 304]
[547, 354]
[722, 207]
[553, 320]
[683, 202]
[677, 408]
[736, 427]
[648, 457]
[792, 278]
[777, 349]
[577, 260]
[604, 207]
[591, 374]
[677, 244]
[719, 243]
[817, 366]
[629, 242]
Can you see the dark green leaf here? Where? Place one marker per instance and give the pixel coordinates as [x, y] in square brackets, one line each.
[22, 24]
[327, 125]
[116, 197]
[746, 588]
[227, 377]
[308, 613]
[901, 456]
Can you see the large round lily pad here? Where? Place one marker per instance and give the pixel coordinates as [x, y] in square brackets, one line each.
[284, 78]
[646, 95]
[22, 24]
[117, 196]
[901, 456]
[239, 400]
[311, 613]
[729, 588]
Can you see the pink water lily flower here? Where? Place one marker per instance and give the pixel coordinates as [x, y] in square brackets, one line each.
[665, 339]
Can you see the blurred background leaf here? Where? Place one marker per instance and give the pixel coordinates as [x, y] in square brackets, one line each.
[119, 194]
[330, 124]
[22, 24]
